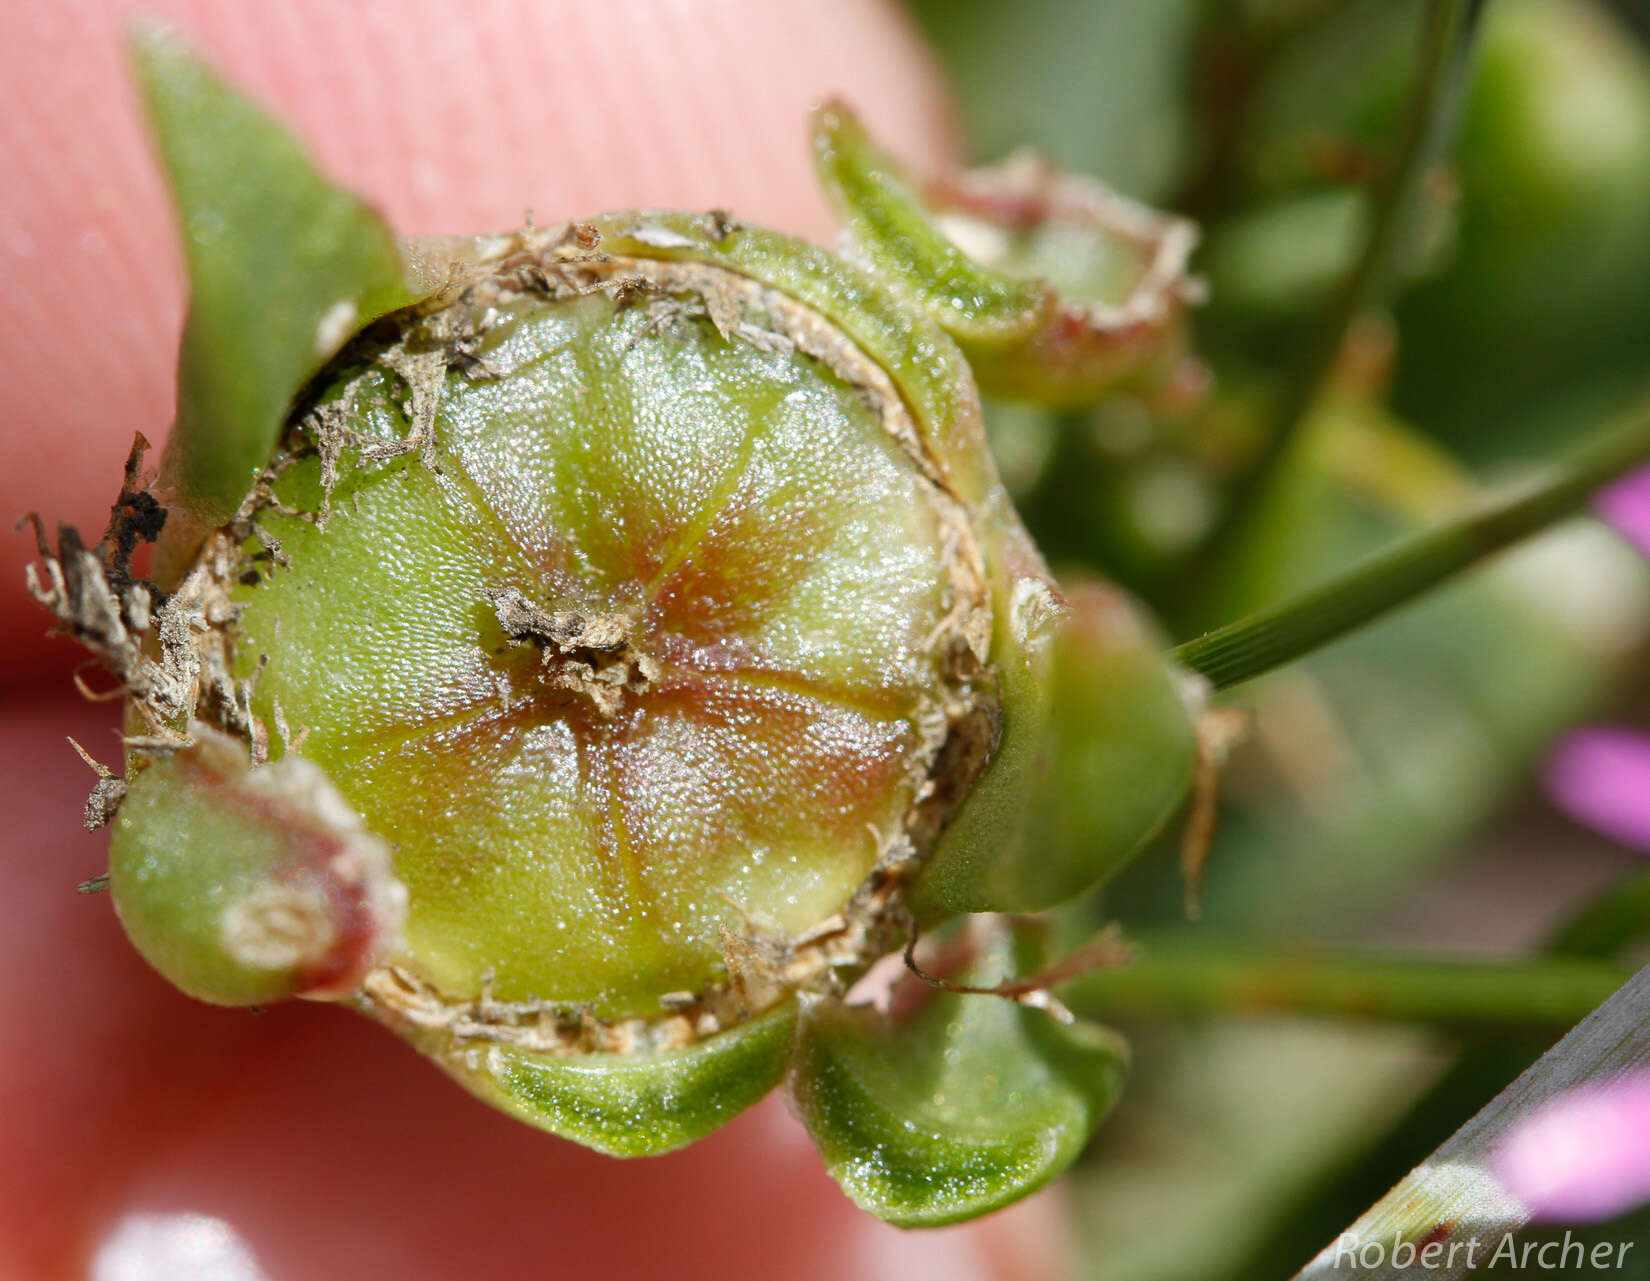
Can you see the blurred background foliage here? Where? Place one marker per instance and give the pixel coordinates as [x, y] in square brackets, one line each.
[1385, 793]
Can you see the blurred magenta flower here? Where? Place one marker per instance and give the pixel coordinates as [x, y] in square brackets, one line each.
[1600, 776]
[1626, 505]
[1584, 1155]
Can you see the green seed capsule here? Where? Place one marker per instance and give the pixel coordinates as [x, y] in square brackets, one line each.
[651, 644]
[650, 594]
[618, 650]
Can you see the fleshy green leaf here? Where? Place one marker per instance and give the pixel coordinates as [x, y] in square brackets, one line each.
[283, 268]
[623, 1104]
[1122, 752]
[244, 886]
[962, 870]
[970, 1104]
[926, 367]
[1098, 751]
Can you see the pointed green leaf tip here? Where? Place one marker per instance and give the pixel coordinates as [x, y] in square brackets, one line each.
[1057, 289]
[970, 1104]
[283, 268]
[887, 217]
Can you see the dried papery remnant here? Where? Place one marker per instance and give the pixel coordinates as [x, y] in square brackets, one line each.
[592, 657]
[170, 650]
[1022, 215]
[244, 885]
[1120, 271]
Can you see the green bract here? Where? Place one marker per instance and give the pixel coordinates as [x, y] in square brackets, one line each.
[593, 665]
[958, 1106]
[1058, 289]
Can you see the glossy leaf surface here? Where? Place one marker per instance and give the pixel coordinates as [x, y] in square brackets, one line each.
[631, 1105]
[245, 886]
[968, 1105]
[1100, 744]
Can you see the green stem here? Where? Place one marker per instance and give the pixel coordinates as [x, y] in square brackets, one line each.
[1415, 565]
[1176, 976]
[1446, 44]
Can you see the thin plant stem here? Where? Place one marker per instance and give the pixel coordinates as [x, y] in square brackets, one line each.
[1413, 566]
[1446, 46]
[1199, 976]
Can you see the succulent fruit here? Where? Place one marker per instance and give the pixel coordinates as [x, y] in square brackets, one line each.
[586, 650]
[602, 652]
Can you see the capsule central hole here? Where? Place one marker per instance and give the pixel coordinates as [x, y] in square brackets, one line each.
[587, 654]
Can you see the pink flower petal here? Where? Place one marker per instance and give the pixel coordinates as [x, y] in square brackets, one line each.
[1584, 1155]
[1601, 777]
[1626, 505]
